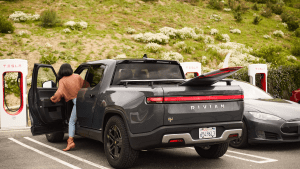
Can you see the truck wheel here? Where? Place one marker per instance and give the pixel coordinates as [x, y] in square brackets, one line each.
[212, 151]
[241, 142]
[55, 137]
[117, 148]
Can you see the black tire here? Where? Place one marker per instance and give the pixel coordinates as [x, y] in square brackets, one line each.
[212, 151]
[117, 148]
[55, 137]
[241, 142]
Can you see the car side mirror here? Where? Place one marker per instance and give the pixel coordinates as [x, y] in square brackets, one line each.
[49, 84]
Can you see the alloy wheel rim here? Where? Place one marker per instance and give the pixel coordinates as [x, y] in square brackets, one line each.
[114, 142]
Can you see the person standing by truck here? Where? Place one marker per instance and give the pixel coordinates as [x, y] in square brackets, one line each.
[69, 85]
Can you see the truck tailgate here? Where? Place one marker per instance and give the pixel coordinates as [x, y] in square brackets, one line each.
[202, 104]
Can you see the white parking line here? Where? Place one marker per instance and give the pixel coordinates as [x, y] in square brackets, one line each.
[67, 154]
[44, 154]
[265, 160]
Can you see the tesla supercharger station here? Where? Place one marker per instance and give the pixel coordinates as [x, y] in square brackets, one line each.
[191, 67]
[258, 69]
[17, 118]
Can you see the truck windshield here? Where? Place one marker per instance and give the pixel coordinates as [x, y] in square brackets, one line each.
[146, 71]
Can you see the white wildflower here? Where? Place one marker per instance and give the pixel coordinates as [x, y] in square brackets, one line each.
[159, 38]
[130, 30]
[199, 37]
[227, 9]
[171, 32]
[267, 36]
[82, 24]
[28, 81]
[226, 37]
[278, 33]
[8, 31]
[48, 45]
[284, 25]
[22, 33]
[121, 56]
[239, 53]
[208, 26]
[70, 24]
[153, 47]
[235, 31]
[67, 30]
[185, 33]
[203, 59]
[255, 15]
[209, 39]
[291, 57]
[215, 17]
[172, 56]
[214, 31]
[19, 16]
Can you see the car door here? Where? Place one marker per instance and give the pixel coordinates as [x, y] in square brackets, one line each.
[88, 97]
[46, 116]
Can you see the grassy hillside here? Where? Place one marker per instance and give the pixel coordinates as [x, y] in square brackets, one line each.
[114, 25]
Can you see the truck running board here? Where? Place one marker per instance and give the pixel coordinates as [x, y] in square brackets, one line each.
[210, 78]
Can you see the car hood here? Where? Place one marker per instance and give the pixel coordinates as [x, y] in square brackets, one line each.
[284, 109]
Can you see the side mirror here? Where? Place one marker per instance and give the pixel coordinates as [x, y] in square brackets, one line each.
[49, 84]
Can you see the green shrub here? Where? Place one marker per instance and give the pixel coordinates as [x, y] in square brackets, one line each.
[297, 33]
[262, 1]
[285, 17]
[296, 49]
[216, 4]
[244, 7]
[266, 12]
[6, 26]
[297, 6]
[49, 18]
[219, 37]
[271, 54]
[292, 25]
[277, 9]
[238, 16]
[50, 59]
[1, 54]
[255, 7]
[256, 20]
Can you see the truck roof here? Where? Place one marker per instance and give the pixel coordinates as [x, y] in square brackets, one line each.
[129, 60]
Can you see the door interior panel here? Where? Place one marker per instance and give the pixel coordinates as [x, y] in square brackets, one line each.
[50, 112]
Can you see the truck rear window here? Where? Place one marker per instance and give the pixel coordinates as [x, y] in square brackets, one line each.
[146, 71]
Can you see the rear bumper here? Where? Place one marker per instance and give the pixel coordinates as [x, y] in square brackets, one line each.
[160, 137]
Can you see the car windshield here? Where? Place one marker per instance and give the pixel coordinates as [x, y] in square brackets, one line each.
[250, 91]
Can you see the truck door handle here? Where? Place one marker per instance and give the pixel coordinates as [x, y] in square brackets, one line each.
[91, 95]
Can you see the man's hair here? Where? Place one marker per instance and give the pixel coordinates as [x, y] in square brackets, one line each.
[65, 70]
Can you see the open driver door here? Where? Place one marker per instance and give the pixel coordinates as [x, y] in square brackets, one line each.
[46, 116]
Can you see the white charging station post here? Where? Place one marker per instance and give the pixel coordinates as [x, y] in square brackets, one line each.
[258, 69]
[191, 67]
[16, 119]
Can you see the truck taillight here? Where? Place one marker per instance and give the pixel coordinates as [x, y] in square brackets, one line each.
[193, 98]
[202, 98]
[155, 99]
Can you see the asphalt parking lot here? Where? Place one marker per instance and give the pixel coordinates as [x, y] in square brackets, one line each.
[19, 149]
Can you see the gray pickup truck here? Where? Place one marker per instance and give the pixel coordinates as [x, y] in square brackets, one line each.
[141, 104]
